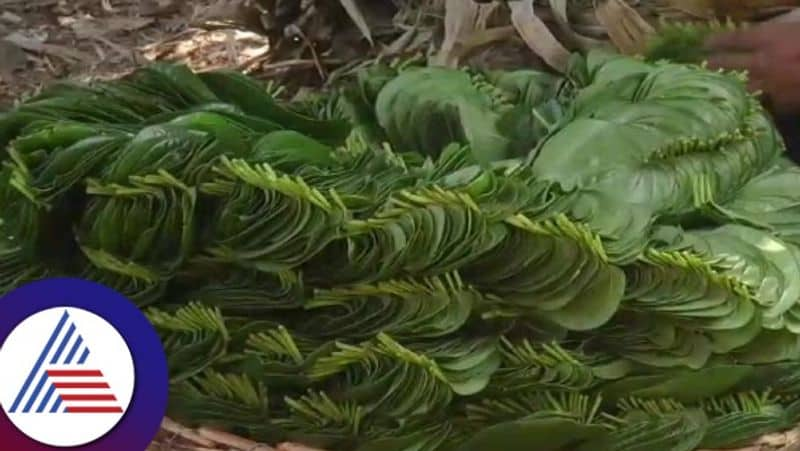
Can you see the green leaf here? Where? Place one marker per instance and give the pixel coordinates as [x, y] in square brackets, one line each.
[424, 110]
[683, 386]
[288, 150]
[253, 99]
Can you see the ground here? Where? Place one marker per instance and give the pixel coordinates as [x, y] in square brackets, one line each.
[45, 40]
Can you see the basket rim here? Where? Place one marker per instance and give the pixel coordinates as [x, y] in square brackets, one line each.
[177, 437]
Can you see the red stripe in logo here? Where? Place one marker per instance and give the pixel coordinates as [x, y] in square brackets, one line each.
[94, 410]
[81, 385]
[88, 397]
[74, 373]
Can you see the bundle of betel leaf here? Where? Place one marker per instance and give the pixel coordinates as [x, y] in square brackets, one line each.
[433, 259]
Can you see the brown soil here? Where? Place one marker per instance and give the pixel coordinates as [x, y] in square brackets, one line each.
[45, 40]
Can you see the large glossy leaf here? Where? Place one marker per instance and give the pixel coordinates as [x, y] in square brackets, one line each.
[769, 201]
[638, 138]
[45, 178]
[288, 150]
[144, 230]
[553, 270]
[194, 338]
[269, 222]
[20, 239]
[738, 419]
[235, 88]
[424, 110]
[682, 385]
[535, 421]
[223, 400]
[766, 266]
[673, 428]
[404, 309]
[388, 378]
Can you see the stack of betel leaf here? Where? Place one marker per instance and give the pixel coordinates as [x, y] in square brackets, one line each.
[433, 259]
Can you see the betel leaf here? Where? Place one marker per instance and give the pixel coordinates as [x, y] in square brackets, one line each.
[288, 150]
[684, 386]
[235, 88]
[426, 109]
[539, 432]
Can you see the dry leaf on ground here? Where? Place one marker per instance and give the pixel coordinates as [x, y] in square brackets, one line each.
[561, 16]
[748, 9]
[627, 29]
[791, 16]
[10, 18]
[12, 58]
[295, 447]
[35, 45]
[158, 7]
[89, 27]
[459, 21]
[696, 8]
[465, 28]
[233, 441]
[537, 36]
[351, 6]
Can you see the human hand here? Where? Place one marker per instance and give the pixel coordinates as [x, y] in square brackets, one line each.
[770, 53]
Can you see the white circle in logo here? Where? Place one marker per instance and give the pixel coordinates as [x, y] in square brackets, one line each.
[67, 377]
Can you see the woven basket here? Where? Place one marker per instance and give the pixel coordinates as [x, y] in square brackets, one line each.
[175, 437]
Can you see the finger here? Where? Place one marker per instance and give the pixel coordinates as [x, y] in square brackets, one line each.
[784, 106]
[777, 96]
[750, 62]
[740, 41]
[758, 86]
[783, 98]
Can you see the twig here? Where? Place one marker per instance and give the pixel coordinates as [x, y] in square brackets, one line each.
[791, 16]
[29, 3]
[297, 64]
[178, 430]
[233, 441]
[264, 55]
[171, 39]
[295, 30]
[485, 37]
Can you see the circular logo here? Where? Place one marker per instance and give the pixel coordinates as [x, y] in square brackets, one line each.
[84, 369]
[80, 366]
